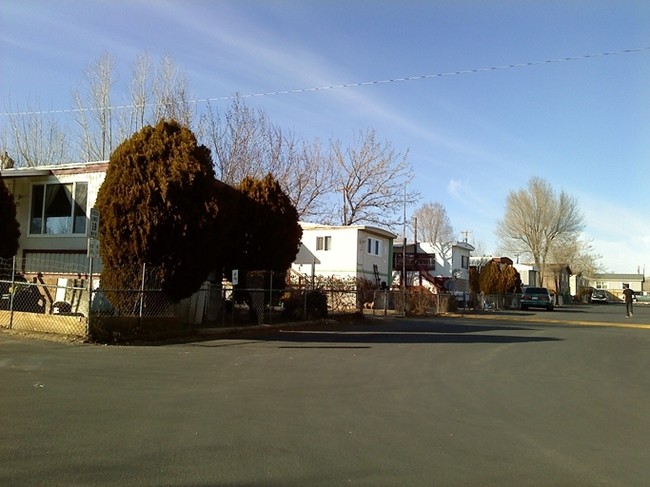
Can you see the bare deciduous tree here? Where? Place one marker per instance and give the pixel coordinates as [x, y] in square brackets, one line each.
[307, 179]
[480, 247]
[33, 137]
[537, 219]
[94, 110]
[577, 254]
[171, 95]
[235, 138]
[245, 144]
[433, 224]
[155, 93]
[370, 180]
[134, 117]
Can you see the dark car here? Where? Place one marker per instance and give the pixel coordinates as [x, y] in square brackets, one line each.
[537, 297]
[599, 296]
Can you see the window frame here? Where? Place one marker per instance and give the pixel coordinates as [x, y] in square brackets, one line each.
[324, 243]
[75, 224]
[374, 246]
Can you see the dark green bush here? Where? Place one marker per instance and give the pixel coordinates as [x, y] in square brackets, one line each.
[294, 305]
[9, 227]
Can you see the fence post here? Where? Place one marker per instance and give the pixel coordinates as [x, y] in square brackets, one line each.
[90, 294]
[271, 300]
[144, 268]
[13, 291]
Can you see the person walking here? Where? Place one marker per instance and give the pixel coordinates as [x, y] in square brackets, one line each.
[628, 293]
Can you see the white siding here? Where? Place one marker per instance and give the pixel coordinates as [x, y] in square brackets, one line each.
[22, 188]
[348, 256]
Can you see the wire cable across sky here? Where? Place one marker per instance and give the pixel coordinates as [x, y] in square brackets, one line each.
[349, 85]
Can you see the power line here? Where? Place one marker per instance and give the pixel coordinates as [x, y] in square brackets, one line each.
[347, 85]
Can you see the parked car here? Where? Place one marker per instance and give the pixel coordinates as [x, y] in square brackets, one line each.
[536, 297]
[599, 296]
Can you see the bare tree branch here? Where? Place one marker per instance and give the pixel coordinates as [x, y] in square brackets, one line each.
[34, 139]
[370, 178]
[433, 224]
[140, 92]
[94, 115]
[170, 93]
[246, 144]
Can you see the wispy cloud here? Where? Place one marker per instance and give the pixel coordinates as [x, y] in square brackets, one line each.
[275, 63]
[618, 231]
[463, 192]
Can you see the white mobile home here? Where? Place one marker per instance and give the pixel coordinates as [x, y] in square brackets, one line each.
[615, 283]
[356, 251]
[440, 268]
[53, 207]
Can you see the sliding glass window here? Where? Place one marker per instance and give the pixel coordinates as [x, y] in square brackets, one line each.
[59, 209]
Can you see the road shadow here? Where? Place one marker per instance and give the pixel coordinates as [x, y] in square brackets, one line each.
[531, 312]
[403, 332]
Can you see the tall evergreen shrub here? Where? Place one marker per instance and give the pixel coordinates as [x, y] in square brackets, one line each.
[157, 208]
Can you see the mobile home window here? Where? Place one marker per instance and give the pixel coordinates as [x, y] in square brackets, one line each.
[324, 243]
[374, 246]
[59, 209]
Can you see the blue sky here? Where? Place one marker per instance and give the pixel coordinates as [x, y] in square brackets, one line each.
[583, 124]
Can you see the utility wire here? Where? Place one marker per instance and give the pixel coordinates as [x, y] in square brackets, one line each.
[346, 85]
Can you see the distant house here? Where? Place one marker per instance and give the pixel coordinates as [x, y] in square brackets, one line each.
[53, 206]
[345, 252]
[615, 283]
[441, 269]
[418, 264]
[557, 279]
[578, 283]
[528, 273]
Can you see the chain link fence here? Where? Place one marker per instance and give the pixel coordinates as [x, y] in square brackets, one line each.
[32, 301]
[71, 301]
[489, 302]
[52, 301]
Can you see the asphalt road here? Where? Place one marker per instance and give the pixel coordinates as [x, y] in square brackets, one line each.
[496, 401]
[608, 314]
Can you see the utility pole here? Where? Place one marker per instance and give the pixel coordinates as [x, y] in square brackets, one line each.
[415, 251]
[404, 257]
